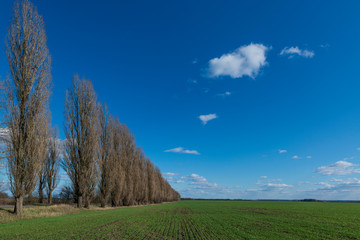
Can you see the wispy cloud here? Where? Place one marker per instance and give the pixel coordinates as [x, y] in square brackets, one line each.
[326, 45]
[193, 81]
[244, 61]
[282, 151]
[198, 186]
[295, 157]
[308, 157]
[194, 178]
[208, 117]
[182, 150]
[264, 179]
[225, 94]
[293, 51]
[338, 168]
[170, 174]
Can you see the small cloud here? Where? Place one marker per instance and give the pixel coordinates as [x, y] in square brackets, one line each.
[195, 61]
[264, 179]
[295, 157]
[326, 45]
[244, 61]
[170, 174]
[179, 181]
[308, 157]
[208, 117]
[279, 186]
[194, 178]
[338, 168]
[358, 148]
[282, 151]
[227, 93]
[182, 150]
[193, 81]
[292, 51]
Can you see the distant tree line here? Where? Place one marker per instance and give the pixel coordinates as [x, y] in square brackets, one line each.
[99, 153]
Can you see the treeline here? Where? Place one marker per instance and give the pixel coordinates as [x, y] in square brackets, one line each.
[99, 153]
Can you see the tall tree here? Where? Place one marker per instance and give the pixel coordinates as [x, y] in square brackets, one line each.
[27, 93]
[127, 155]
[118, 189]
[42, 155]
[52, 163]
[106, 154]
[81, 122]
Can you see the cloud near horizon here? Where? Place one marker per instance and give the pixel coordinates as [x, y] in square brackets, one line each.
[208, 117]
[338, 168]
[247, 60]
[182, 150]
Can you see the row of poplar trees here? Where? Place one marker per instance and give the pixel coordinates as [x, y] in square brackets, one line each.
[99, 153]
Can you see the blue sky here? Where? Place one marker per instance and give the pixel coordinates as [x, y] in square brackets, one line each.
[231, 99]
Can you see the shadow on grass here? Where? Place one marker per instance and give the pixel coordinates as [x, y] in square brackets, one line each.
[8, 210]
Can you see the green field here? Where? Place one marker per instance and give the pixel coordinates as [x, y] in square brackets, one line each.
[199, 220]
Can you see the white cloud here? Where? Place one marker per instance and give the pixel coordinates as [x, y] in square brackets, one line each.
[208, 117]
[193, 81]
[295, 157]
[326, 45]
[182, 150]
[308, 157]
[227, 93]
[170, 174]
[282, 151]
[278, 186]
[197, 186]
[194, 178]
[292, 51]
[244, 61]
[358, 148]
[338, 168]
[264, 179]
[179, 181]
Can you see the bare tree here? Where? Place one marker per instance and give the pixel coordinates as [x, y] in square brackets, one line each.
[80, 160]
[119, 174]
[51, 165]
[42, 155]
[106, 154]
[27, 98]
[127, 155]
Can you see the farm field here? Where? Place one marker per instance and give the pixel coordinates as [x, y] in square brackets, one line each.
[195, 219]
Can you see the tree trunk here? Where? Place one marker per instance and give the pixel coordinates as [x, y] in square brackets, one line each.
[19, 206]
[87, 202]
[79, 202]
[50, 197]
[30, 198]
[41, 196]
[102, 202]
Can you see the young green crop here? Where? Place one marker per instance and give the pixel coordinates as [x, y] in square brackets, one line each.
[199, 220]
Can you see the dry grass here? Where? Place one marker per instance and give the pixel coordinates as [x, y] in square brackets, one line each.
[7, 215]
